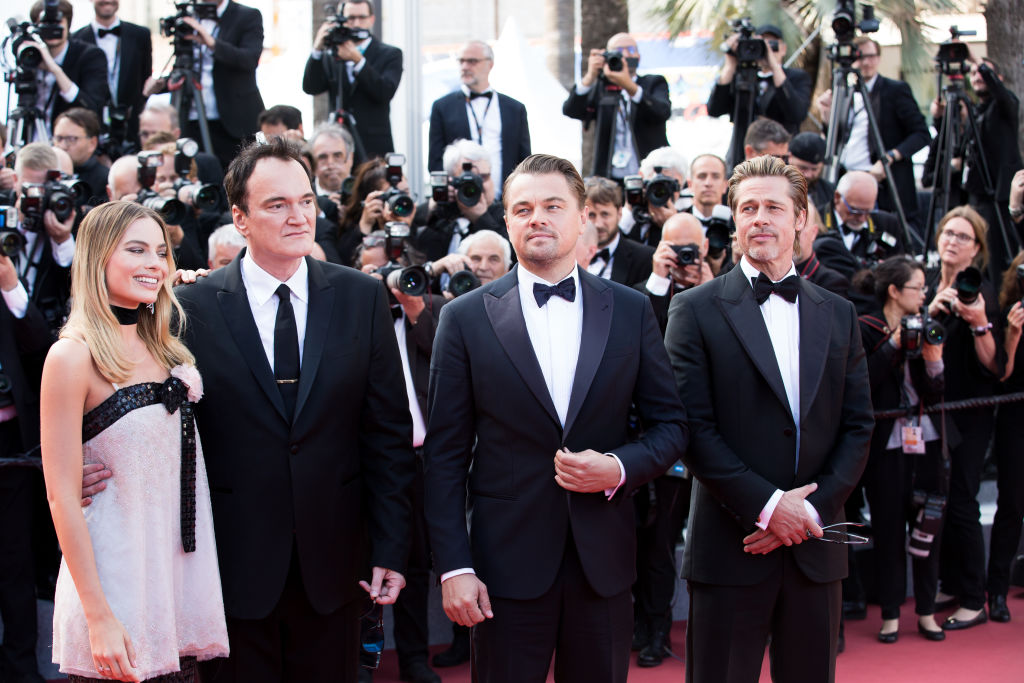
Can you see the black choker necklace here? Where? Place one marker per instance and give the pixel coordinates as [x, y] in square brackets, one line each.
[126, 316]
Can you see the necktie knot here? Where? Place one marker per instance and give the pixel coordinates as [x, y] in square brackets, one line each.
[565, 289]
[283, 293]
[787, 288]
[104, 32]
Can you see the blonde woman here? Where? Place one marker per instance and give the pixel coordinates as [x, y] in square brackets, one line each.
[138, 596]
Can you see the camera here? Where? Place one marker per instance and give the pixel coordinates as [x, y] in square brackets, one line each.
[718, 230]
[686, 254]
[658, 191]
[633, 186]
[968, 285]
[613, 58]
[927, 524]
[58, 193]
[199, 195]
[173, 211]
[114, 140]
[881, 246]
[845, 25]
[175, 26]
[410, 280]
[920, 329]
[469, 186]
[749, 50]
[463, 281]
[341, 33]
[952, 57]
[11, 241]
[398, 202]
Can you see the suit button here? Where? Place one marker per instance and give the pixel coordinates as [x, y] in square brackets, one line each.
[787, 432]
[294, 449]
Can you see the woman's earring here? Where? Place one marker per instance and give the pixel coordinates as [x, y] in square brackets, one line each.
[152, 309]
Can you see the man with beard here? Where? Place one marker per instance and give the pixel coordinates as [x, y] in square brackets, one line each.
[617, 259]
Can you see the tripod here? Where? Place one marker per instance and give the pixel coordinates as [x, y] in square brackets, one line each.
[954, 141]
[839, 129]
[185, 88]
[344, 118]
[745, 84]
[27, 122]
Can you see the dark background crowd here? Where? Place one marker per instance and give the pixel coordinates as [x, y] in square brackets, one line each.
[937, 277]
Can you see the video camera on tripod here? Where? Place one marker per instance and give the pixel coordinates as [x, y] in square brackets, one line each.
[749, 51]
[845, 25]
[953, 56]
[26, 122]
[341, 33]
[177, 28]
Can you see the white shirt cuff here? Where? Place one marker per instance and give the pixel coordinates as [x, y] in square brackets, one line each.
[622, 477]
[638, 95]
[658, 285]
[934, 368]
[64, 252]
[768, 510]
[456, 572]
[316, 54]
[16, 300]
[71, 93]
[358, 66]
[583, 89]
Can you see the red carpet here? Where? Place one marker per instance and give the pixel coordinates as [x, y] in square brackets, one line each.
[991, 653]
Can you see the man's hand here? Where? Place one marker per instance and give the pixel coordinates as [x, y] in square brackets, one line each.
[790, 521]
[8, 273]
[586, 472]
[472, 213]
[1017, 192]
[595, 64]
[201, 35]
[94, 478]
[412, 305]
[176, 234]
[373, 211]
[451, 264]
[348, 52]
[621, 78]
[877, 171]
[7, 178]
[660, 214]
[824, 102]
[385, 585]
[321, 34]
[664, 259]
[59, 232]
[761, 542]
[154, 85]
[465, 600]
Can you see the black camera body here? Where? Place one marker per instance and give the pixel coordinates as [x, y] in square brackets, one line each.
[718, 230]
[58, 193]
[398, 202]
[462, 281]
[409, 280]
[968, 285]
[614, 60]
[749, 51]
[49, 24]
[172, 210]
[341, 33]
[952, 57]
[917, 330]
[176, 28]
[686, 254]
[845, 25]
[11, 241]
[657, 191]
[469, 186]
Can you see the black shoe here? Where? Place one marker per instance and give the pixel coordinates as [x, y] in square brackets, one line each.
[929, 634]
[653, 654]
[888, 637]
[951, 624]
[855, 610]
[457, 653]
[997, 609]
[641, 635]
[418, 672]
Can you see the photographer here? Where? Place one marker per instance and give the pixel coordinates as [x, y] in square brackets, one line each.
[365, 71]
[709, 182]
[645, 220]
[618, 258]
[765, 136]
[284, 120]
[806, 261]
[966, 306]
[72, 74]
[807, 153]
[782, 95]
[332, 149]
[76, 131]
[448, 222]
[905, 365]
[485, 253]
[677, 264]
[159, 117]
[630, 110]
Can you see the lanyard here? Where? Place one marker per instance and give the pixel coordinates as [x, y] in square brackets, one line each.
[476, 121]
[113, 70]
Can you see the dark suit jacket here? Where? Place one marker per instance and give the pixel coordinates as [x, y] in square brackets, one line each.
[631, 262]
[832, 252]
[434, 238]
[341, 467]
[903, 128]
[814, 270]
[368, 98]
[51, 290]
[787, 105]
[997, 132]
[743, 444]
[491, 409]
[450, 122]
[23, 346]
[86, 66]
[647, 118]
[235, 57]
[419, 342]
[136, 65]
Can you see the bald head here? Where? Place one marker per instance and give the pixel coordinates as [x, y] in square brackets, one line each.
[123, 178]
[626, 44]
[586, 245]
[683, 228]
[855, 197]
[64, 161]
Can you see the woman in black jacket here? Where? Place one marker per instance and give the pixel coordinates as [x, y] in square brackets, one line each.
[906, 452]
[974, 362]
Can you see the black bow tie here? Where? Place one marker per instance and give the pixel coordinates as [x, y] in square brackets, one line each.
[787, 288]
[565, 289]
[605, 254]
[103, 32]
[396, 312]
[474, 95]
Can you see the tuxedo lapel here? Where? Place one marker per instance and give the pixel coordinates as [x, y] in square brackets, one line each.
[460, 119]
[815, 321]
[318, 318]
[234, 306]
[620, 263]
[505, 313]
[744, 316]
[598, 300]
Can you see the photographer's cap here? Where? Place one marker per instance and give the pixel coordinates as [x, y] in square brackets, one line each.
[770, 30]
[809, 147]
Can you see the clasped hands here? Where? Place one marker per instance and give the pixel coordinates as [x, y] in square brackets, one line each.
[790, 524]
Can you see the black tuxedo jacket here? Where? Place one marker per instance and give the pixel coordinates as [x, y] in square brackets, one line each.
[827, 278]
[235, 57]
[647, 119]
[493, 433]
[903, 128]
[86, 66]
[51, 289]
[136, 65]
[419, 343]
[743, 438]
[23, 345]
[832, 251]
[631, 263]
[997, 133]
[787, 105]
[339, 469]
[368, 98]
[450, 122]
[434, 238]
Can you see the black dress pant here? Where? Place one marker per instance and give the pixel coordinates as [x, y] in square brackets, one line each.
[730, 626]
[292, 643]
[1006, 527]
[588, 634]
[410, 610]
[890, 479]
[656, 547]
[962, 558]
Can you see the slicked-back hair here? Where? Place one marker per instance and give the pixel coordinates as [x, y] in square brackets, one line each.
[603, 191]
[769, 166]
[236, 180]
[545, 164]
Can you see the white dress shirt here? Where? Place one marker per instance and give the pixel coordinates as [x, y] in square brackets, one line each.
[623, 151]
[419, 425]
[599, 266]
[484, 114]
[204, 57]
[111, 46]
[857, 153]
[46, 82]
[28, 267]
[261, 288]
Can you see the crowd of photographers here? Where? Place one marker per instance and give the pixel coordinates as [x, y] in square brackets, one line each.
[943, 330]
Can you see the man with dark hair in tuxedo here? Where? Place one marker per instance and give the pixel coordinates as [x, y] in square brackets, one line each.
[76, 131]
[129, 51]
[775, 381]
[366, 74]
[618, 258]
[630, 110]
[529, 458]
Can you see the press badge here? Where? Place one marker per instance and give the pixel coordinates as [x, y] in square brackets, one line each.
[620, 158]
[913, 439]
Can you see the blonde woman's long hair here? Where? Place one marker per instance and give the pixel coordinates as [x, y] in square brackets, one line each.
[91, 319]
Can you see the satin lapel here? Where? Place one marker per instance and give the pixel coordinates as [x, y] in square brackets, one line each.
[744, 316]
[461, 119]
[598, 300]
[815, 324]
[318, 320]
[234, 306]
[506, 316]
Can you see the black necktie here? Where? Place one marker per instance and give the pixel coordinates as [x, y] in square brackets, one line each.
[787, 288]
[565, 289]
[604, 254]
[104, 32]
[286, 351]
[474, 95]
